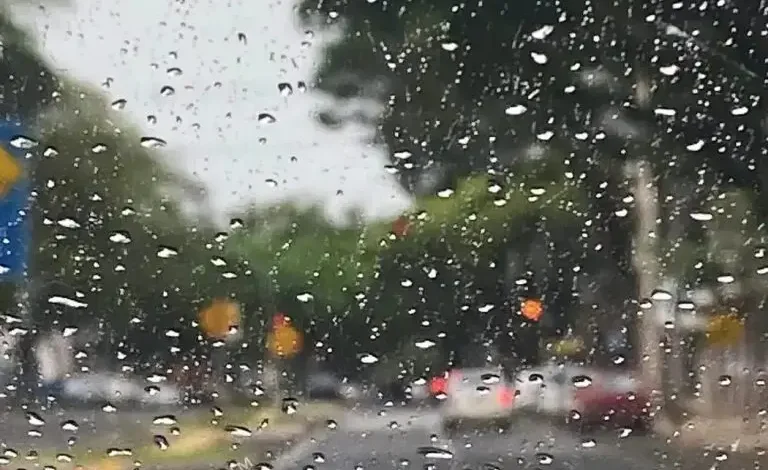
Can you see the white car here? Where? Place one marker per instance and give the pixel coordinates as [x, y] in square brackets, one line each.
[550, 389]
[477, 395]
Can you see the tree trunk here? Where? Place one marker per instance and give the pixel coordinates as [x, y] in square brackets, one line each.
[646, 263]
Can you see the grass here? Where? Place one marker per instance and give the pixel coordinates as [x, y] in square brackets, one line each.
[202, 437]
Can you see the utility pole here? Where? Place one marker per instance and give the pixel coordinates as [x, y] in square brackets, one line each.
[646, 263]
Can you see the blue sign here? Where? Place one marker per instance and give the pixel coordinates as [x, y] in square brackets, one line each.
[15, 228]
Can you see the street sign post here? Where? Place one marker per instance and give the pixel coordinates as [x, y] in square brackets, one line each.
[15, 229]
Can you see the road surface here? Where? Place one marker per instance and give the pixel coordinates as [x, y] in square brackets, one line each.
[413, 440]
[379, 438]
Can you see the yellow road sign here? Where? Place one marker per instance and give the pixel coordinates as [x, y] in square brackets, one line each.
[10, 171]
[569, 346]
[218, 319]
[725, 330]
[285, 341]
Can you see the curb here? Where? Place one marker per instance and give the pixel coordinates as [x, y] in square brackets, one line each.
[687, 437]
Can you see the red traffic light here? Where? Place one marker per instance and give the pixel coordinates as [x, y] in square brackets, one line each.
[279, 320]
[401, 226]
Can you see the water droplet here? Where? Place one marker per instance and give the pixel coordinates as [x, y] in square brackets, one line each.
[304, 297]
[99, 148]
[266, 118]
[543, 32]
[167, 90]
[153, 142]
[161, 442]
[536, 378]
[661, 295]
[449, 46]
[119, 104]
[70, 425]
[669, 70]
[242, 38]
[120, 237]
[174, 72]
[544, 458]
[515, 110]
[68, 223]
[701, 216]
[239, 431]
[35, 419]
[369, 359]
[317, 457]
[582, 381]
[285, 88]
[425, 344]
[23, 142]
[117, 452]
[166, 252]
[164, 420]
[489, 379]
[588, 443]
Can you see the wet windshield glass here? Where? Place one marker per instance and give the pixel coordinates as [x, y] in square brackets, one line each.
[288, 234]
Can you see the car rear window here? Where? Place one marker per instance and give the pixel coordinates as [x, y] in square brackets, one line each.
[466, 379]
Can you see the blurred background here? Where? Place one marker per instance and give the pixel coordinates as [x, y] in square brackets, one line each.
[330, 197]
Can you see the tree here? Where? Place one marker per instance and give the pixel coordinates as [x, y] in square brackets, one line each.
[470, 89]
[109, 231]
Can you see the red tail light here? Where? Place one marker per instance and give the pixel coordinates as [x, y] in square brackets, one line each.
[506, 396]
[438, 385]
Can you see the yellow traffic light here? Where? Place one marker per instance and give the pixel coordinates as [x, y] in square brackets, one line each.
[532, 309]
[285, 341]
[219, 318]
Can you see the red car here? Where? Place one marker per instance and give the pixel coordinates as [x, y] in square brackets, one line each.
[612, 400]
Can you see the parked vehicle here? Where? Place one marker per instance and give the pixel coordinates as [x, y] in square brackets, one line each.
[616, 400]
[477, 395]
[112, 388]
[327, 386]
[583, 396]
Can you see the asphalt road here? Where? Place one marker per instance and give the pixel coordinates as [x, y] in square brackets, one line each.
[404, 439]
[413, 440]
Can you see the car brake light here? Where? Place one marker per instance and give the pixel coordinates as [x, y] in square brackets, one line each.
[506, 396]
[438, 385]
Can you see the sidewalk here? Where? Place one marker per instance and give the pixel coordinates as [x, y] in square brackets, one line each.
[703, 443]
[699, 432]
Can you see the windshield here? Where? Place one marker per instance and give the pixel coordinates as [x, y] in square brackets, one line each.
[284, 234]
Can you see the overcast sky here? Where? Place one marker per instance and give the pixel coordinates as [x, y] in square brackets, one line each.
[224, 83]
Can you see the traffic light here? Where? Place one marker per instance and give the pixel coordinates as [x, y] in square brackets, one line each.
[279, 320]
[218, 318]
[531, 309]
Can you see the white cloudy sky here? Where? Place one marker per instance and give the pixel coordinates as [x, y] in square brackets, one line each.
[135, 42]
